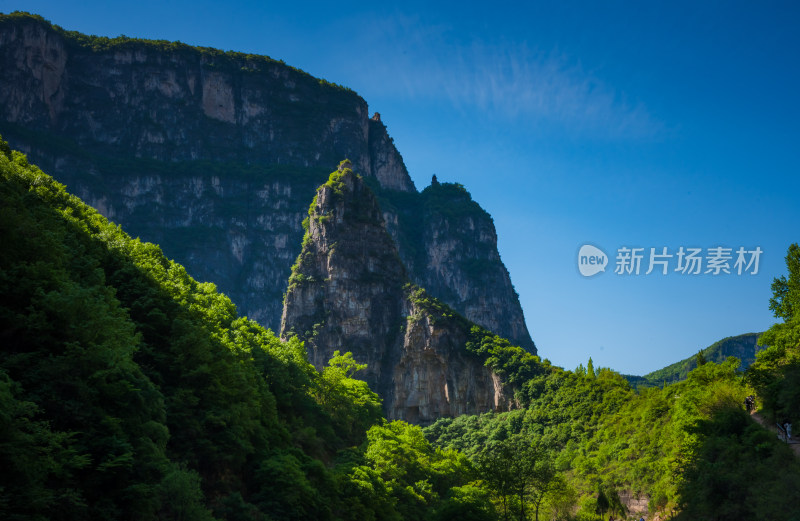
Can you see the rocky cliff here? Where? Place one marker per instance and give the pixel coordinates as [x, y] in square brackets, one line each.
[449, 244]
[214, 156]
[349, 291]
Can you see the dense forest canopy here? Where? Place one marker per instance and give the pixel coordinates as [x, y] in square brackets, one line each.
[128, 390]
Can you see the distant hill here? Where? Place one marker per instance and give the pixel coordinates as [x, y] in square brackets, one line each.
[743, 347]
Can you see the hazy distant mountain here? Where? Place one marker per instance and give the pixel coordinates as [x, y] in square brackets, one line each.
[743, 347]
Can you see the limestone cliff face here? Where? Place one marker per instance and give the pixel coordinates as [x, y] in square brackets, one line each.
[346, 291]
[349, 291]
[215, 155]
[464, 260]
[172, 102]
[451, 250]
[435, 375]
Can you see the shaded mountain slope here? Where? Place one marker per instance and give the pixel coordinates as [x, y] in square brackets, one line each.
[215, 155]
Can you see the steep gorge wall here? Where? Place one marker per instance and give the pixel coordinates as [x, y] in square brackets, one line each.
[449, 244]
[349, 291]
[172, 102]
[215, 155]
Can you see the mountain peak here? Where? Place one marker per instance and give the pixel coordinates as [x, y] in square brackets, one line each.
[214, 155]
[349, 291]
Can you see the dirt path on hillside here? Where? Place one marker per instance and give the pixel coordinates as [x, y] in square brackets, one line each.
[794, 444]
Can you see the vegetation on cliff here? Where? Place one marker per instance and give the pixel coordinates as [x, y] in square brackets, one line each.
[518, 368]
[688, 450]
[215, 57]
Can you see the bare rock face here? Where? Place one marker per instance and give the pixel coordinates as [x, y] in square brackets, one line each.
[460, 260]
[214, 156]
[349, 291]
[36, 69]
[436, 377]
[173, 102]
[346, 290]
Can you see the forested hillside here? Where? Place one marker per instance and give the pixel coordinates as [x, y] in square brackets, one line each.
[744, 347]
[130, 391]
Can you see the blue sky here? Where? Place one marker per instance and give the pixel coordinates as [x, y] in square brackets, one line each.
[632, 124]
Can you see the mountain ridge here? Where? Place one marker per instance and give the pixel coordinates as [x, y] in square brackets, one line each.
[744, 347]
[349, 291]
[215, 155]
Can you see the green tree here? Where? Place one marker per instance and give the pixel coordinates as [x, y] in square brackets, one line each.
[603, 502]
[608, 501]
[182, 496]
[519, 469]
[523, 468]
[496, 467]
[700, 358]
[466, 503]
[776, 372]
[418, 477]
[785, 300]
[350, 402]
[544, 481]
[738, 471]
[562, 499]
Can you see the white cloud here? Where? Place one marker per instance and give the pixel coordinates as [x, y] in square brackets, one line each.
[512, 81]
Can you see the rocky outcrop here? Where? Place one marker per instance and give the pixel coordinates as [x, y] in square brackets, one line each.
[635, 505]
[215, 155]
[457, 261]
[436, 376]
[349, 291]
